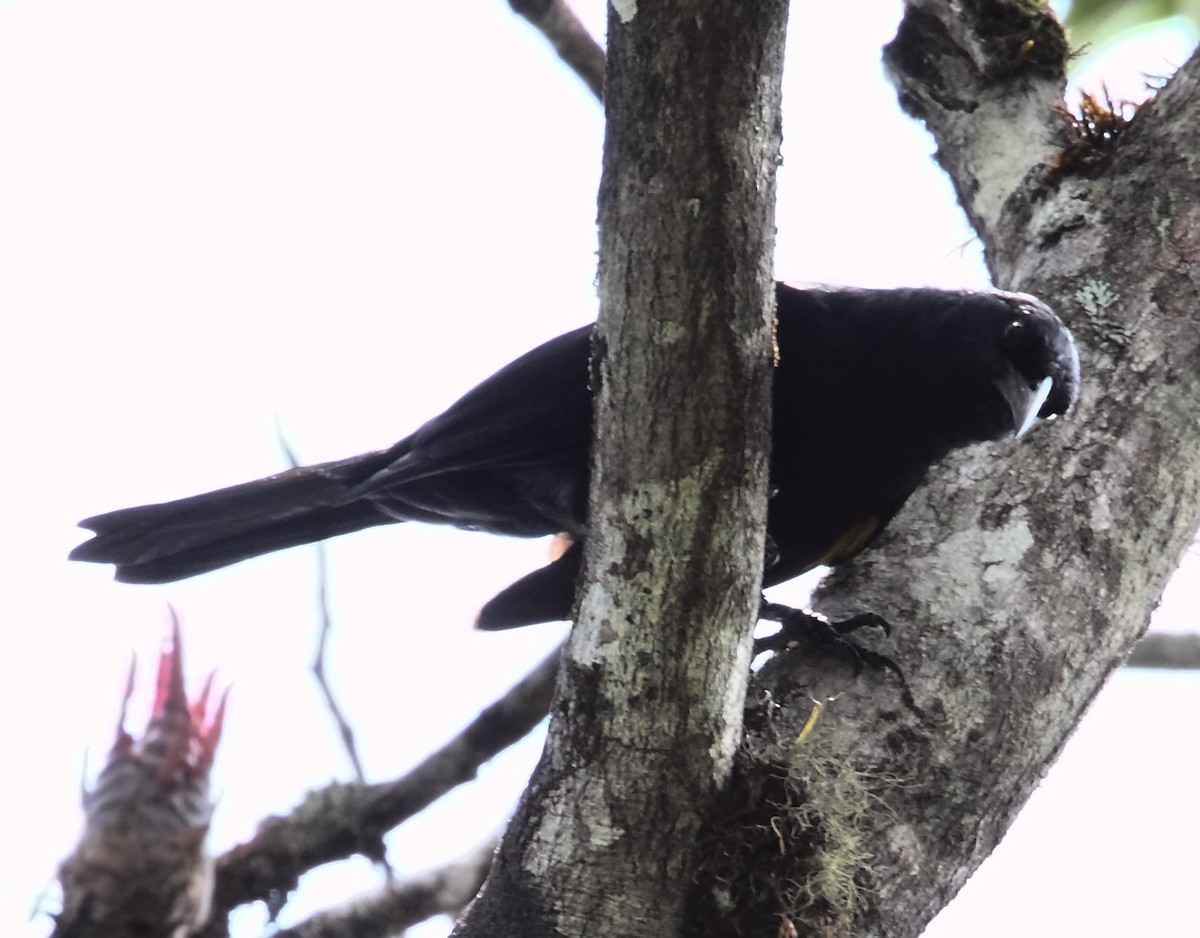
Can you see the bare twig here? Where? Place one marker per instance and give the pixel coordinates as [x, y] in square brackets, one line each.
[318, 666]
[397, 906]
[1166, 650]
[340, 820]
[563, 30]
[326, 620]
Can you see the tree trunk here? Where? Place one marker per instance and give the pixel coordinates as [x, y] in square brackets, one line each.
[1017, 579]
[647, 716]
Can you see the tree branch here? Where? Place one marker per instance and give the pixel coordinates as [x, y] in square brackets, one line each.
[647, 715]
[574, 45]
[985, 79]
[325, 628]
[340, 820]
[1018, 580]
[397, 906]
[1166, 650]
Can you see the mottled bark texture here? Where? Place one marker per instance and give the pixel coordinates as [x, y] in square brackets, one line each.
[1021, 576]
[648, 711]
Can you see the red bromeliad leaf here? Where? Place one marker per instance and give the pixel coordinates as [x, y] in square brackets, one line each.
[140, 867]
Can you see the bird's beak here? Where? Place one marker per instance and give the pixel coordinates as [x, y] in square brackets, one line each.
[1024, 401]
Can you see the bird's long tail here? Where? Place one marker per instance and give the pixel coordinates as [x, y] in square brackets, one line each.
[179, 539]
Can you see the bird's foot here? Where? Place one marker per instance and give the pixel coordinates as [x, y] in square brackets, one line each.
[799, 625]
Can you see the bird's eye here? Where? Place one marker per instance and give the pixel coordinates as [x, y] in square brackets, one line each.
[1012, 333]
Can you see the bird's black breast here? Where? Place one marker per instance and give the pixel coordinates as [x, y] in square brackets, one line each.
[871, 389]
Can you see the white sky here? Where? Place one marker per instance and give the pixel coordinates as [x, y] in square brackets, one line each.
[344, 215]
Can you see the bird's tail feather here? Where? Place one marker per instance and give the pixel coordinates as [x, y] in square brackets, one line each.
[545, 595]
[179, 539]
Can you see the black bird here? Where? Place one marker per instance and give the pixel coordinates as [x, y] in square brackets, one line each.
[871, 388]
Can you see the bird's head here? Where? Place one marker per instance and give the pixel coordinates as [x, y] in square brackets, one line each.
[925, 368]
[1033, 365]
[994, 363]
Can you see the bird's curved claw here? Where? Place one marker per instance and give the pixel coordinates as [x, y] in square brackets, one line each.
[798, 625]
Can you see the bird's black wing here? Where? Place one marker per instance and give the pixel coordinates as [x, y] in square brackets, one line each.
[533, 411]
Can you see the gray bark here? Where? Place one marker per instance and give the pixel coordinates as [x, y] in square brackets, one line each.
[1166, 650]
[1022, 574]
[647, 716]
